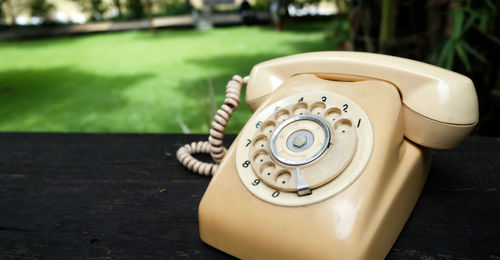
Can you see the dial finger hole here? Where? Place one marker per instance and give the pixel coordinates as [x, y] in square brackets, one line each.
[268, 127]
[343, 126]
[317, 108]
[282, 115]
[283, 177]
[260, 142]
[260, 156]
[267, 169]
[332, 114]
[299, 109]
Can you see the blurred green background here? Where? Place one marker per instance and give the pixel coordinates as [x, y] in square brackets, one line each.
[135, 81]
[170, 79]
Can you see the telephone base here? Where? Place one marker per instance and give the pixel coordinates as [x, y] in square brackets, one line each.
[349, 225]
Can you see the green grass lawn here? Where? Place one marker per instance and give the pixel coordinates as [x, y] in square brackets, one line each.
[134, 81]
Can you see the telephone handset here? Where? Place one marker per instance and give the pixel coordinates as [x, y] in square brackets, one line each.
[334, 157]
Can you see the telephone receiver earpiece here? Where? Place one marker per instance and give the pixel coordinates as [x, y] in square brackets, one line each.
[440, 107]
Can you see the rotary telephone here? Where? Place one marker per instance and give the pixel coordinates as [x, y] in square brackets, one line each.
[334, 157]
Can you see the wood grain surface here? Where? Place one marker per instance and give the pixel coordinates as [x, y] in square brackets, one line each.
[125, 196]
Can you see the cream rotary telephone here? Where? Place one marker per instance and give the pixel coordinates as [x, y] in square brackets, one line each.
[334, 157]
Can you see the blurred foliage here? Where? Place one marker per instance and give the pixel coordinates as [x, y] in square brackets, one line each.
[261, 5]
[480, 14]
[461, 35]
[135, 9]
[176, 7]
[42, 9]
[118, 6]
[2, 12]
[370, 26]
[338, 32]
[95, 8]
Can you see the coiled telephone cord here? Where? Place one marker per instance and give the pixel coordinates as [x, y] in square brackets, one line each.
[214, 145]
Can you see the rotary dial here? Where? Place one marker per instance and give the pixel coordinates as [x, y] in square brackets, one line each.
[302, 146]
[313, 144]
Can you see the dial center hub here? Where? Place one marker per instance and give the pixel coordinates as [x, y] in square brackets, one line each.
[300, 140]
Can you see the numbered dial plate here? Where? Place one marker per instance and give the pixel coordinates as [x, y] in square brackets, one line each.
[312, 142]
[304, 149]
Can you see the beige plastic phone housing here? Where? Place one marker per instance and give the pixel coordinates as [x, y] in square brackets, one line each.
[359, 213]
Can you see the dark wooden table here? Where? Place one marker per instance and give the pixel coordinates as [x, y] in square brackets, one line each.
[125, 196]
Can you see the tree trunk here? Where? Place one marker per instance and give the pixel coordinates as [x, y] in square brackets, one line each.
[118, 6]
[368, 18]
[149, 9]
[387, 25]
[1, 11]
